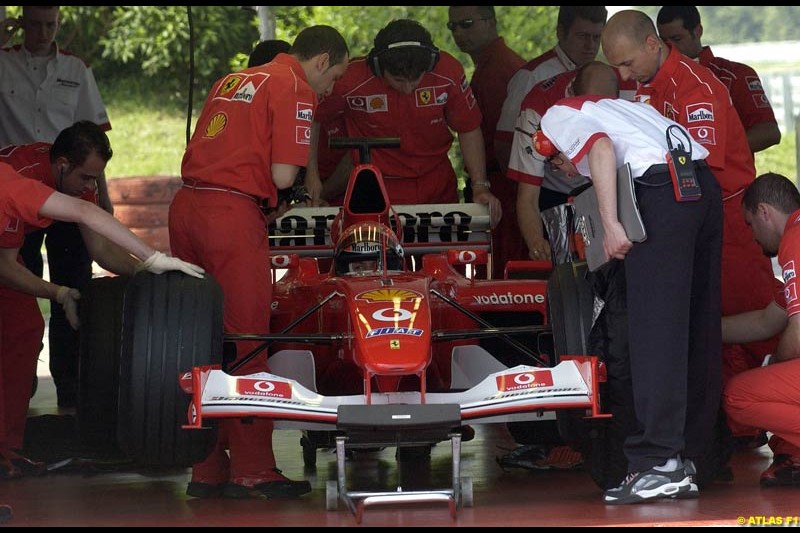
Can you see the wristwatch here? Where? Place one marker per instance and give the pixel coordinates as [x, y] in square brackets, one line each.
[483, 183]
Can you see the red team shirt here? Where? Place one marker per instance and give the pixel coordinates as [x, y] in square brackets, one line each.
[694, 97]
[494, 69]
[20, 201]
[423, 120]
[789, 259]
[231, 128]
[744, 85]
[31, 161]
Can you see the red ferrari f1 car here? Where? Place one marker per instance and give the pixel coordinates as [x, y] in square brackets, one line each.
[391, 345]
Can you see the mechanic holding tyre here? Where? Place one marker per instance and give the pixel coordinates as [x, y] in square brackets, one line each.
[250, 140]
[29, 202]
[673, 317]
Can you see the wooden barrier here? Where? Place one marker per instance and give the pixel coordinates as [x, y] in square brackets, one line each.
[142, 204]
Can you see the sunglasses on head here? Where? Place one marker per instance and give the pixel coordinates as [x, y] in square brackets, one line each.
[463, 24]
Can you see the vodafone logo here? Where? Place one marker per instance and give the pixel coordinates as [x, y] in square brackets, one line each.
[525, 380]
[280, 261]
[392, 314]
[263, 387]
[467, 256]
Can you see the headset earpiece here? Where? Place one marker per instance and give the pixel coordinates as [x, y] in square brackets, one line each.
[543, 145]
[374, 56]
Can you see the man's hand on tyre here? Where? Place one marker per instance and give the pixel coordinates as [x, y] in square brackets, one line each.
[158, 263]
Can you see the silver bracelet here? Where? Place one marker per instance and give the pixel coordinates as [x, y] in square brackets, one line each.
[483, 183]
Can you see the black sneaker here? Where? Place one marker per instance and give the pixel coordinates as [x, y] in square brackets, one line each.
[272, 490]
[5, 513]
[651, 484]
[691, 472]
[197, 489]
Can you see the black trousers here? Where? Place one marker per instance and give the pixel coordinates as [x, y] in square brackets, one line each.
[69, 264]
[672, 294]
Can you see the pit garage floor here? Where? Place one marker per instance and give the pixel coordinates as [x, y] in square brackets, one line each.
[116, 494]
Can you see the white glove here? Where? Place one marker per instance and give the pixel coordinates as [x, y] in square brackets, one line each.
[158, 263]
[68, 298]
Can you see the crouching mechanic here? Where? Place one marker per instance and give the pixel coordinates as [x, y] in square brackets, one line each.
[27, 204]
[768, 397]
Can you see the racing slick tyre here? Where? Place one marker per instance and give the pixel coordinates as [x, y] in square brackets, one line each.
[172, 323]
[570, 304]
[98, 369]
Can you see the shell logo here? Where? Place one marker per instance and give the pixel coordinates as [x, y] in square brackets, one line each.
[389, 295]
[215, 125]
[376, 103]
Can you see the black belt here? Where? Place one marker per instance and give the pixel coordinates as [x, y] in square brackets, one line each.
[663, 168]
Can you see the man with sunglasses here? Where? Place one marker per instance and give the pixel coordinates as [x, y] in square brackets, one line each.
[474, 31]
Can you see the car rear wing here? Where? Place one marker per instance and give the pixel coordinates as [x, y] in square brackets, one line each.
[426, 228]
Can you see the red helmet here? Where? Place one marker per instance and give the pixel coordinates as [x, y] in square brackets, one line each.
[364, 242]
[544, 145]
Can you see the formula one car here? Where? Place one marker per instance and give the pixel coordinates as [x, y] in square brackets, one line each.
[390, 345]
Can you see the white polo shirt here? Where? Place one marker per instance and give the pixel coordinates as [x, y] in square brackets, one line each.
[637, 131]
[545, 66]
[32, 110]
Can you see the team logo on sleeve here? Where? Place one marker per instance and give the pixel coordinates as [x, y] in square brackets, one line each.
[228, 86]
[464, 83]
[305, 111]
[790, 292]
[704, 135]
[13, 226]
[215, 126]
[427, 96]
[471, 102]
[303, 135]
[788, 271]
[241, 87]
[754, 84]
[703, 112]
[760, 100]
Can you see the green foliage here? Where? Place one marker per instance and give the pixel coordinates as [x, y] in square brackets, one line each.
[781, 158]
[744, 24]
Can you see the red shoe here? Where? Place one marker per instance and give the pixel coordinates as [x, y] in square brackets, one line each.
[279, 488]
[784, 470]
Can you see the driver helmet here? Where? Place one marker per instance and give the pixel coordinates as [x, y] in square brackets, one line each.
[360, 250]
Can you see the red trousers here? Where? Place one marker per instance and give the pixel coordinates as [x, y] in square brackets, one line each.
[226, 234]
[21, 330]
[767, 398]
